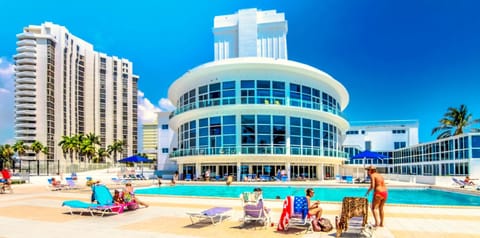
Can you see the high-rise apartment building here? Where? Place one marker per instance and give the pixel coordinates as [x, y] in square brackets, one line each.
[64, 87]
[150, 139]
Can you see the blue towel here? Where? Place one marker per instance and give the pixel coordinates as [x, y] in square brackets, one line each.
[300, 206]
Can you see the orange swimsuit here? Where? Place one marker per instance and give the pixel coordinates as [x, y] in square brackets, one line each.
[384, 194]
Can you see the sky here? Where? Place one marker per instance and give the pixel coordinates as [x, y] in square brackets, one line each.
[398, 60]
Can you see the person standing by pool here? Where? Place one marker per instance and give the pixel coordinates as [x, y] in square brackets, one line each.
[377, 184]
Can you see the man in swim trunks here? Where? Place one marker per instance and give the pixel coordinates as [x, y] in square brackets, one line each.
[377, 184]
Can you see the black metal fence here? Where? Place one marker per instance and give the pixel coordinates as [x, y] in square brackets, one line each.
[36, 167]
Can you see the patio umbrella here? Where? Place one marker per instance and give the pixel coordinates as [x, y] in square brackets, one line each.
[367, 154]
[136, 159]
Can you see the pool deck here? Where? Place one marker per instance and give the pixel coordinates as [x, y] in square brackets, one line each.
[35, 210]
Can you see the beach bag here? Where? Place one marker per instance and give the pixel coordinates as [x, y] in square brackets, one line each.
[325, 224]
[316, 225]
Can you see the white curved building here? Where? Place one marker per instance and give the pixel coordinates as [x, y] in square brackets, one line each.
[257, 116]
[253, 113]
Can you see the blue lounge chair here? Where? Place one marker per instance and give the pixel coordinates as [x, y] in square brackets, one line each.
[104, 204]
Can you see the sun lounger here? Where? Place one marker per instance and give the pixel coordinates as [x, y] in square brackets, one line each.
[295, 214]
[103, 206]
[211, 214]
[254, 209]
[353, 217]
[461, 183]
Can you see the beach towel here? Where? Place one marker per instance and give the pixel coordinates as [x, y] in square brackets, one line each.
[292, 206]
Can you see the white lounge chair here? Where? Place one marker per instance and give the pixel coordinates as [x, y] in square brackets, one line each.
[211, 215]
[254, 209]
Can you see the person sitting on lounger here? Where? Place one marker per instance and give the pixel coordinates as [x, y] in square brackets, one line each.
[468, 181]
[259, 194]
[7, 176]
[129, 195]
[56, 183]
[118, 198]
[313, 207]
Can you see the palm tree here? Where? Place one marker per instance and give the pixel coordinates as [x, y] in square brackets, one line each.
[6, 152]
[94, 139]
[88, 149]
[102, 154]
[68, 146]
[36, 147]
[117, 146]
[455, 122]
[77, 139]
[20, 148]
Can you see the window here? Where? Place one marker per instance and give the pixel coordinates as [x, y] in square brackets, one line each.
[368, 145]
[164, 126]
[165, 150]
[399, 144]
[399, 131]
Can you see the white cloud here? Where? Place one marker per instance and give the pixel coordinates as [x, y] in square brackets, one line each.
[6, 101]
[146, 110]
[166, 105]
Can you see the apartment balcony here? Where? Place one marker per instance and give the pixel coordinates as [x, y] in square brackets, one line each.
[25, 35]
[25, 111]
[25, 118]
[25, 132]
[19, 126]
[22, 49]
[24, 93]
[25, 55]
[26, 42]
[24, 138]
[20, 68]
[25, 81]
[22, 106]
[25, 99]
[25, 74]
[26, 61]
[25, 87]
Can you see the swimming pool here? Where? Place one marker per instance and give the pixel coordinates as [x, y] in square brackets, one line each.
[413, 196]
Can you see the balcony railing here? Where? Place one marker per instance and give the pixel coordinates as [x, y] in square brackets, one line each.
[257, 101]
[259, 150]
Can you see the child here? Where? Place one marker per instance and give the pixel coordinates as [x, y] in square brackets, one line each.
[118, 197]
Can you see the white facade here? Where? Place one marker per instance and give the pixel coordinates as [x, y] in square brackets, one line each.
[167, 140]
[250, 33]
[381, 136]
[64, 87]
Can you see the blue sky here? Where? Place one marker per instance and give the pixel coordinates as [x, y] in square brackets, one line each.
[399, 60]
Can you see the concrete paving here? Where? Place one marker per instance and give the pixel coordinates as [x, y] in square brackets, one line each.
[33, 209]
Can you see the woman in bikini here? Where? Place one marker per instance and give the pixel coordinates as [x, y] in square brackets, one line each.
[377, 184]
[314, 208]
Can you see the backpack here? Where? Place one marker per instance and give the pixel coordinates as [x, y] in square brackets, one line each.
[325, 224]
[322, 224]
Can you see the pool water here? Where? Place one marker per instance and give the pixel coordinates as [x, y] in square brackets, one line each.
[414, 196]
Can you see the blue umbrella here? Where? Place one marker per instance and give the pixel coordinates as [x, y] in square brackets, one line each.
[367, 154]
[135, 159]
